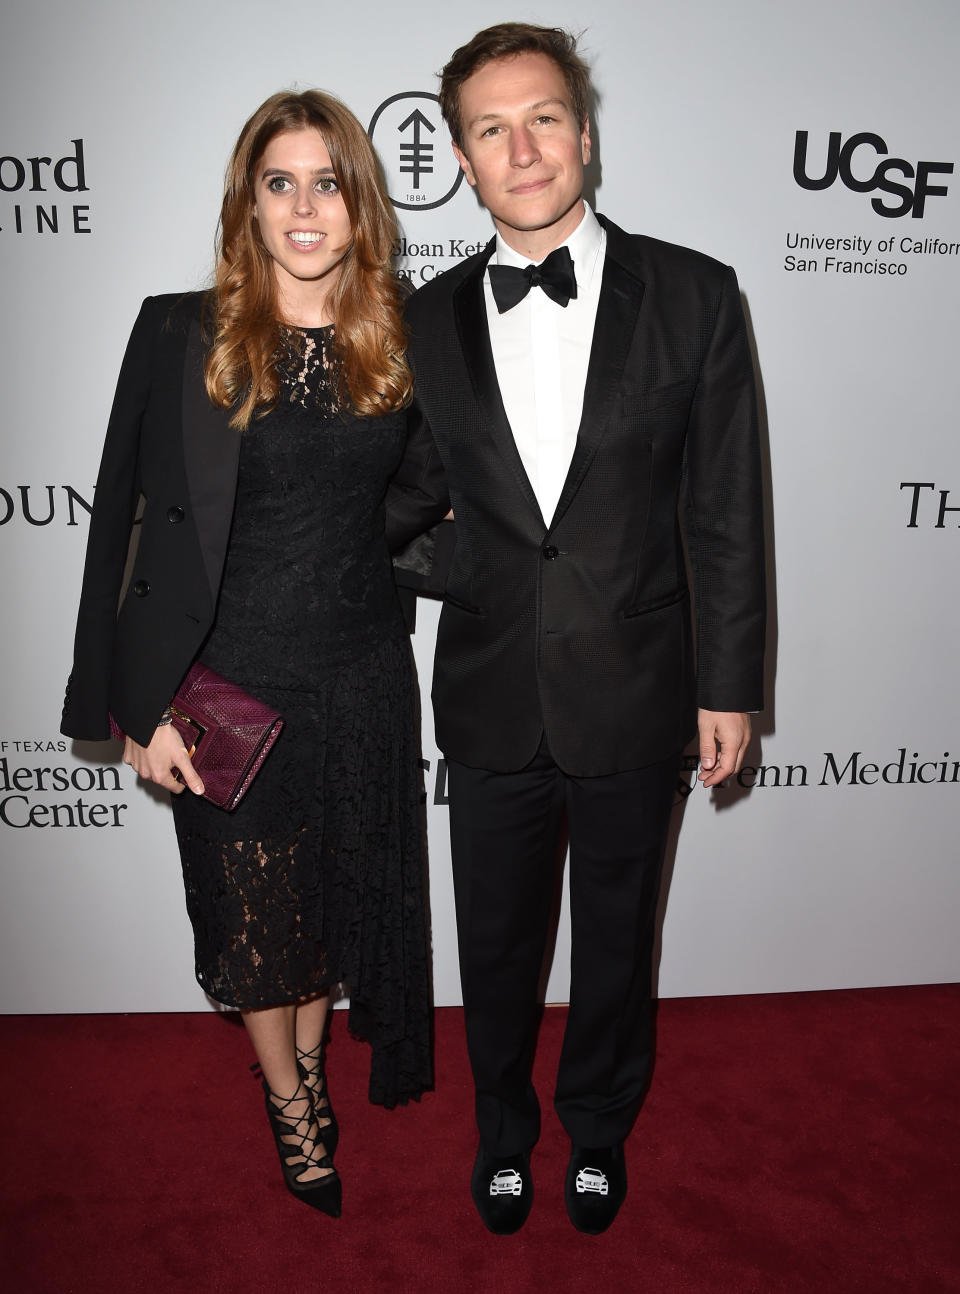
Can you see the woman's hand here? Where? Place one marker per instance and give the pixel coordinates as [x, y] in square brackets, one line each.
[156, 762]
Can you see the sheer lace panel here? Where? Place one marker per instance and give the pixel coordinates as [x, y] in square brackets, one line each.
[260, 909]
[308, 371]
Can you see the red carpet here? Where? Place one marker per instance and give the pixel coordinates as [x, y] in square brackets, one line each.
[805, 1142]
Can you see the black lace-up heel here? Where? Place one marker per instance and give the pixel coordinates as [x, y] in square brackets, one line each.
[300, 1148]
[310, 1065]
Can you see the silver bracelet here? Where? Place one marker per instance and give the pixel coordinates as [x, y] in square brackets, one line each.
[165, 718]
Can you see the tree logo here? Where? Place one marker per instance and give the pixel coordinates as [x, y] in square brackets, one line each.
[414, 147]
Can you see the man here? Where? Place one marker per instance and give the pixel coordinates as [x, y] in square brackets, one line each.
[573, 409]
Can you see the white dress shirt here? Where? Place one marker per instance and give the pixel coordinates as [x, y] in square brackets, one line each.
[541, 351]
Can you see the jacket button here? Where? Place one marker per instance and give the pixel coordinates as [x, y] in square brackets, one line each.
[175, 514]
[141, 588]
[550, 554]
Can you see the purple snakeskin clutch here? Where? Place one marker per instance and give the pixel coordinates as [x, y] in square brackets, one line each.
[228, 732]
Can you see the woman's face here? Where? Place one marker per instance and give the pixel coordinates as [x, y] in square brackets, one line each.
[301, 213]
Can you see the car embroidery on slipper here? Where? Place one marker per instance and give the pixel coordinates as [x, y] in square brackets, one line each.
[591, 1180]
[508, 1182]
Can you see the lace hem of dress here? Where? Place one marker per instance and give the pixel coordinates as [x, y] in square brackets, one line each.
[319, 876]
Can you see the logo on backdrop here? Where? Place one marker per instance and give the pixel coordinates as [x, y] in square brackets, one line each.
[833, 770]
[422, 174]
[905, 186]
[927, 506]
[438, 794]
[862, 165]
[36, 187]
[414, 146]
[838, 769]
[36, 792]
[42, 505]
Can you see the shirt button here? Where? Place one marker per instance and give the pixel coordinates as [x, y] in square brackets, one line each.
[141, 588]
[550, 554]
[175, 514]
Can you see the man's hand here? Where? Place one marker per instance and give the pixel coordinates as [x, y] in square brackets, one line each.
[156, 762]
[724, 736]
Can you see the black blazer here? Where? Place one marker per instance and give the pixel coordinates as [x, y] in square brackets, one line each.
[582, 628]
[167, 442]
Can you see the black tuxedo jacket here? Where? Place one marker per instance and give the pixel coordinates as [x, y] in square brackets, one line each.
[167, 442]
[582, 628]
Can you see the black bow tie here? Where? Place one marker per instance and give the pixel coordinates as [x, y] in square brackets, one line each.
[510, 283]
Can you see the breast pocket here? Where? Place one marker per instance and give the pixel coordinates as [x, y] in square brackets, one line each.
[450, 601]
[645, 401]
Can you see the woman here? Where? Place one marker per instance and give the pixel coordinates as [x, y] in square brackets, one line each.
[261, 422]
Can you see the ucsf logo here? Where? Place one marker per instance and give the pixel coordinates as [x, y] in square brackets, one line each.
[851, 162]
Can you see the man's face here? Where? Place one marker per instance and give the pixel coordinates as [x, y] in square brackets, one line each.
[524, 151]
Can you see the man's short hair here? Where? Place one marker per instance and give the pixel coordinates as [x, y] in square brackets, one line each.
[506, 40]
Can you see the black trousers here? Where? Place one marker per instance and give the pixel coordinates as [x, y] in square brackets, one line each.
[505, 831]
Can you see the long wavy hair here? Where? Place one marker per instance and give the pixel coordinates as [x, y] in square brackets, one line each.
[369, 343]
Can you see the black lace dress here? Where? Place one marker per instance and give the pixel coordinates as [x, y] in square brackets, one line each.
[318, 877]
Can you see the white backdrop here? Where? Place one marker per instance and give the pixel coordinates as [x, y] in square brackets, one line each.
[837, 867]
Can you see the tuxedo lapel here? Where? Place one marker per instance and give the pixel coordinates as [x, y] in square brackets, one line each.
[211, 452]
[470, 312]
[621, 295]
